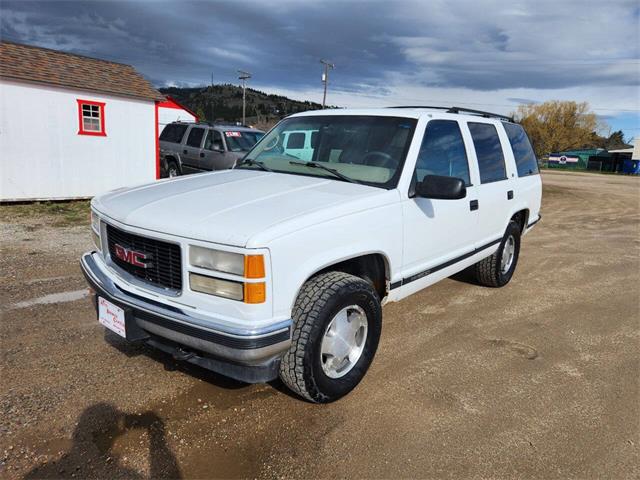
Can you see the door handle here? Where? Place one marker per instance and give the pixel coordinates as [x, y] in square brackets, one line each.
[474, 205]
[510, 195]
[201, 155]
[184, 151]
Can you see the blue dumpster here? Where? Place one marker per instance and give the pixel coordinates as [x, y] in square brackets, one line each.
[631, 166]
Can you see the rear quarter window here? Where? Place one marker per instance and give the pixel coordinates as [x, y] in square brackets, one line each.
[296, 140]
[526, 161]
[173, 133]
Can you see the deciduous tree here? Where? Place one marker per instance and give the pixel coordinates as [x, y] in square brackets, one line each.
[558, 125]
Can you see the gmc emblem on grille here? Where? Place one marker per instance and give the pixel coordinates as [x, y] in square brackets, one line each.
[137, 259]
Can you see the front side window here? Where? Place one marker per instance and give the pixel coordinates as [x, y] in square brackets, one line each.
[91, 118]
[522, 151]
[213, 141]
[488, 151]
[173, 132]
[442, 152]
[242, 141]
[195, 137]
[365, 149]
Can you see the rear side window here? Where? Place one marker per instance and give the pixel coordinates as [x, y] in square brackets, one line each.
[489, 152]
[522, 151]
[296, 140]
[173, 133]
[442, 152]
[195, 137]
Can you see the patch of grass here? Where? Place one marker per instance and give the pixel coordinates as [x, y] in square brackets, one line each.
[57, 214]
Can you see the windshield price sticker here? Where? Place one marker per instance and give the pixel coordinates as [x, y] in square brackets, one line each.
[233, 134]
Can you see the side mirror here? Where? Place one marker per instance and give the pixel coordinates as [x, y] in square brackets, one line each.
[441, 188]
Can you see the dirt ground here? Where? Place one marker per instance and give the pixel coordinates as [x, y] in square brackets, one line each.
[539, 379]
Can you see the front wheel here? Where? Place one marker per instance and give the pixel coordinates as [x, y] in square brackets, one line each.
[497, 269]
[337, 324]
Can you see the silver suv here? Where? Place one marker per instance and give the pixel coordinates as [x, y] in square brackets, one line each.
[198, 147]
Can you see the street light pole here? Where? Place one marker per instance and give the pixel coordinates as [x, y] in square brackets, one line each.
[325, 78]
[244, 76]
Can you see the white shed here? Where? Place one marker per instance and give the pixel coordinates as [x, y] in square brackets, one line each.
[73, 126]
[170, 110]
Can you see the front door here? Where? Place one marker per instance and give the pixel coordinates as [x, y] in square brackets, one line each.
[213, 157]
[437, 232]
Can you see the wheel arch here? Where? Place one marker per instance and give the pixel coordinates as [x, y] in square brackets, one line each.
[521, 217]
[371, 266]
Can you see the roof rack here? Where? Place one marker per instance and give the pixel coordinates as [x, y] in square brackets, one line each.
[420, 106]
[481, 113]
[461, 110]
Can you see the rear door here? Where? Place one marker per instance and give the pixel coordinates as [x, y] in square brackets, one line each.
[192, 148]
[437, 232]
[496, 189]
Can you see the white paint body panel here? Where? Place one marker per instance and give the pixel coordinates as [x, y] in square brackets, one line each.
[43, 157]
[305, 224]
[167, 115]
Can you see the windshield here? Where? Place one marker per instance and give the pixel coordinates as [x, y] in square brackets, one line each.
[366, 149]
[241, 141]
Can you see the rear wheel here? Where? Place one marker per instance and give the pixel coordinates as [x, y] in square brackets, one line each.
[337, 324]
[172, 169]
[497, 269]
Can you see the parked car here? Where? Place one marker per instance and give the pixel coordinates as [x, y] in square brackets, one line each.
[280, 266]
[198, 147]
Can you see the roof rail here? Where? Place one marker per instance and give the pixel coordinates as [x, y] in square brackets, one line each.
[461, 110]
[420, 106]
[481, 113]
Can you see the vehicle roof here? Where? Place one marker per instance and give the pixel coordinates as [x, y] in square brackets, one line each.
[220, 126]
[405, 112]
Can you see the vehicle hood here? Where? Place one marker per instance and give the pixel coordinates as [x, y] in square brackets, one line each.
[232, 207]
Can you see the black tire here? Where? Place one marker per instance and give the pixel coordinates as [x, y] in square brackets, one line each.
[172, 166]
[318, 302]
[488, 271]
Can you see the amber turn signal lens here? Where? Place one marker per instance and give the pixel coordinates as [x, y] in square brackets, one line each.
[255, 292]
[254, 266]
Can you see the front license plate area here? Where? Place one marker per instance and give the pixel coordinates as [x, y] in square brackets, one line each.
[112, 317]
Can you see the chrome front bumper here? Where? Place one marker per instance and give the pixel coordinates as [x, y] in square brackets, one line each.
[156, 322]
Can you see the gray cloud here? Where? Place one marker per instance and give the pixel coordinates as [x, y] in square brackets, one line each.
[468, 44]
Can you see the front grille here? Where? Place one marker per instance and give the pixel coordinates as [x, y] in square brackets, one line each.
[164, 267]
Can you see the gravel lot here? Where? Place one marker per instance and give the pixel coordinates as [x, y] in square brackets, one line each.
[539, 379]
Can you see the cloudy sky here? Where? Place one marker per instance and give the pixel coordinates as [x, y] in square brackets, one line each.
[488, 55]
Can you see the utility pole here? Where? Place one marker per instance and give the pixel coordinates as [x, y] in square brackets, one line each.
[244, 76]
[325, 78]
[213, 116]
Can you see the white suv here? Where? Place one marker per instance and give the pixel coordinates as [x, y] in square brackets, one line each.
[280, 266]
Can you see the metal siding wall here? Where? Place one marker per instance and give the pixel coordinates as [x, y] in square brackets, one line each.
[168, 115]
[43, 157]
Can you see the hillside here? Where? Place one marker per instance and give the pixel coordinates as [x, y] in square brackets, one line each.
[224, 103]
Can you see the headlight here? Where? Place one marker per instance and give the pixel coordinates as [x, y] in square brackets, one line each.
[216, 286]
[95, 230]
[249, 266]
[216, 260]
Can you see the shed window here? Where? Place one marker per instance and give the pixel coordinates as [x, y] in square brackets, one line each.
[91, 118]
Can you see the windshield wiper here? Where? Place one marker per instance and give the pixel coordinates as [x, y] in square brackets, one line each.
[250, 162]
[326, 169]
